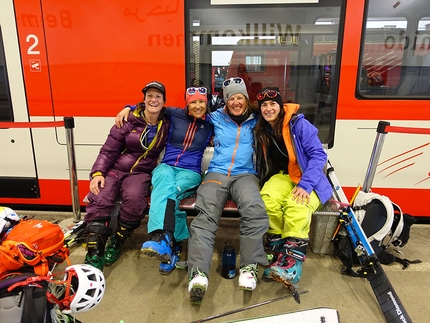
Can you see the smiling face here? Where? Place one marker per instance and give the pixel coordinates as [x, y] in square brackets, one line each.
[154, 101]
[270, 111]
[237, 104]
[197, 108]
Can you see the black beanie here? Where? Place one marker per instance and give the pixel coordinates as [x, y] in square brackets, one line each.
[264, 96]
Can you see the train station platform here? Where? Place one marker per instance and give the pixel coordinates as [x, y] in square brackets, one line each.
[137, 293]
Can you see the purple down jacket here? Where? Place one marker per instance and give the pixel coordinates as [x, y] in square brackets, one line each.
[123, 149]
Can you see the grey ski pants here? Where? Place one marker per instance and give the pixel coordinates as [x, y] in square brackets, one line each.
[212, 194]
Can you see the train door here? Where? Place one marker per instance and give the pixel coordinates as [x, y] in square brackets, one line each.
[18, 175]
[284, 45]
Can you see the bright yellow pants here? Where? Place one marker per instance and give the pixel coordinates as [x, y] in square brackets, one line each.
[287, 217]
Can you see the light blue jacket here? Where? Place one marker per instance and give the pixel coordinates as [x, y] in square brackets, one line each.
[233, 144]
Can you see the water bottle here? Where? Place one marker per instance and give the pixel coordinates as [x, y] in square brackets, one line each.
[228, 262]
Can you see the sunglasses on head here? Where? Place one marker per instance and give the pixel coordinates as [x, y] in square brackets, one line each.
[194, 90]
[271, 94]
[235, 80]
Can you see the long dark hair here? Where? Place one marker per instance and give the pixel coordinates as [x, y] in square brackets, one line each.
[263, 128]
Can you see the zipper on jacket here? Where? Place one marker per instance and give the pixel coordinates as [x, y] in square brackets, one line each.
[158, 137]
[234, 151]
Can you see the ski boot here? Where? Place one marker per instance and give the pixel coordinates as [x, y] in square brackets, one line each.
[166, 267]
[197, 286]
[96, 234]
[274, 250]
[160, 246]
[114, 247]
[289, 269]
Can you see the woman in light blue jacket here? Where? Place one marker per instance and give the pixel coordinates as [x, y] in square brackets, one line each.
[231, 172]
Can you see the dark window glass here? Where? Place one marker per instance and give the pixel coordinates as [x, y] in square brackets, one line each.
[5, 101]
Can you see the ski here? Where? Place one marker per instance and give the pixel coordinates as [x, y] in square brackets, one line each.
[70, 237]
[389, 302]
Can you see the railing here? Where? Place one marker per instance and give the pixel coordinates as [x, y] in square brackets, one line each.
[68, 123]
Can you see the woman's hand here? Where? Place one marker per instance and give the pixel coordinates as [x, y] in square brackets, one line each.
[96, 184]
[300, 195]
[122, 115]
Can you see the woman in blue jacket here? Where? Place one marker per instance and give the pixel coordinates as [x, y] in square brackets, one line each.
[231, 173]
[291, 158]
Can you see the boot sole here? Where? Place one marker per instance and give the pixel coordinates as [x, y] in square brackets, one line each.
[164, 272]
[110, 263]
[197, 293]
[153, 254]
[276, 277]
[175, 259]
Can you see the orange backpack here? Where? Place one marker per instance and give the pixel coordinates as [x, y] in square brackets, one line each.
[35, 243]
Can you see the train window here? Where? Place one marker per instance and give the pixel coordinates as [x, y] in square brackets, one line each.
[291, 46]
[395, 60]
[5, 101]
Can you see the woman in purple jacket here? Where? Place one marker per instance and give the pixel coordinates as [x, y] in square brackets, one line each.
[123, 168]
[291, 158]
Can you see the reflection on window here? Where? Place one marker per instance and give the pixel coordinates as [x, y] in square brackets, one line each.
[395, 59]
[5, 102]
[254, 62]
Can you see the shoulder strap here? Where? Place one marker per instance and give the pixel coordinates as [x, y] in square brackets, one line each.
[398, 223]
[365, 198]
[35, 301]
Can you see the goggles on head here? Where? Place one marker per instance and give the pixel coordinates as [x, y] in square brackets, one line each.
[271, 94]
[194, 90]
[235, 80]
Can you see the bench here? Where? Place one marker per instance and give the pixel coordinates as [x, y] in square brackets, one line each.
[323, 224]
[188, 203]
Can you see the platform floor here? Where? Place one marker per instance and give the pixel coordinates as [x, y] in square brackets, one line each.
[137, 293]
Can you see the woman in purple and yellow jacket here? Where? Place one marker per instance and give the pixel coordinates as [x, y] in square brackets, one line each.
[123, 168]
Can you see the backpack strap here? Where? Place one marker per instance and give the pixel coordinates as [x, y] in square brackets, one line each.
[344, 250]
[29, 306]
[363, 199]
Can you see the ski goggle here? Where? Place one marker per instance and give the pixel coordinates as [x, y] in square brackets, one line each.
[194, 90]
[271, 94]
[235, 80]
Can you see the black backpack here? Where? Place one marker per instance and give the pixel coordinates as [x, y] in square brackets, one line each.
[384, 224]
[22, 301]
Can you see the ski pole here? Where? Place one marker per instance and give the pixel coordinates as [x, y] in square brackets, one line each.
[355, 194]
[248, 307]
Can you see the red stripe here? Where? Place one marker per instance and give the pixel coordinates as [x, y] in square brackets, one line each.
[47, 124]
[422, 131]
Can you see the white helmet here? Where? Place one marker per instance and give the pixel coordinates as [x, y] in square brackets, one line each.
[8, 218]
[85, 286]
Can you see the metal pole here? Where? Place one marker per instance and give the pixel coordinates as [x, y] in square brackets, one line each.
[374, 157]
[69, 124]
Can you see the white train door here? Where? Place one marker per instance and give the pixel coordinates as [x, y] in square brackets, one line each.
[18, 175]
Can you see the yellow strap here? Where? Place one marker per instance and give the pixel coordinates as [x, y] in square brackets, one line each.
[97, 174]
